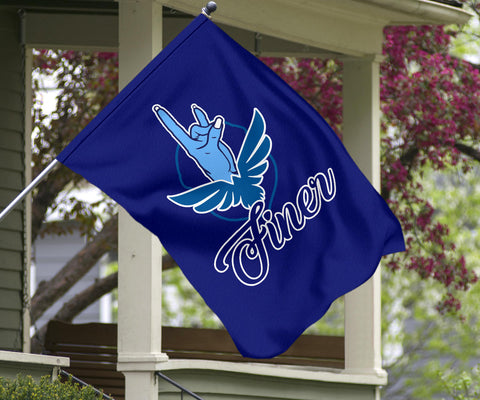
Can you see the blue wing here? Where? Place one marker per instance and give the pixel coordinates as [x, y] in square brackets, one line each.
[252, 162]
[206, 198]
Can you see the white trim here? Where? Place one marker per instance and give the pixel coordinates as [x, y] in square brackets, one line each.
[427, 11]
[140, 361]
[28, 358]
[281, 371]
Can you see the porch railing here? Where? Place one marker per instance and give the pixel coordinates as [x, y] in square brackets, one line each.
[92, 349]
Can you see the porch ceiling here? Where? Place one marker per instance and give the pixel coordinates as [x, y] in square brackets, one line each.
[351, 27]
[321, 28]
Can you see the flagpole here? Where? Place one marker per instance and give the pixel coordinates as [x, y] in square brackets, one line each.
[29, 188]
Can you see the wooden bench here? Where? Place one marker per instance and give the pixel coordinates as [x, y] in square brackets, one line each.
[92, 349]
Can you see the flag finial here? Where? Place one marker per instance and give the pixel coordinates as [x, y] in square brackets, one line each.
[209, 8]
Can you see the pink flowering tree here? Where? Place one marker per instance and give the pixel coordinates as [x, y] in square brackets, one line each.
[429, 103]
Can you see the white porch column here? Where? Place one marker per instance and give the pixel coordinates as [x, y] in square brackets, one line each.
[140, 267]
[361, 116]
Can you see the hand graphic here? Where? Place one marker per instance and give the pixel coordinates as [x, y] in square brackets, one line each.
[202, 142]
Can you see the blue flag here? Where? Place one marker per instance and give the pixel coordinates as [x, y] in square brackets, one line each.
[246, 186]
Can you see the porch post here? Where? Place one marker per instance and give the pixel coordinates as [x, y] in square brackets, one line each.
[361, 129]
[139, 254]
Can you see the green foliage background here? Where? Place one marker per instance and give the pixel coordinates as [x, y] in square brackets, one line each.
[427, 354]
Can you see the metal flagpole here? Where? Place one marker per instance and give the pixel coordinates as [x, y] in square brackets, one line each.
[29, 188]
[207, 10]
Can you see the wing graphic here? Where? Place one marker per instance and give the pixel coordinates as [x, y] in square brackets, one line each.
[217, 195]
[252, 162]
[244, 187]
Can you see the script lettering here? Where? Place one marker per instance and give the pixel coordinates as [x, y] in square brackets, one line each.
[246, 251]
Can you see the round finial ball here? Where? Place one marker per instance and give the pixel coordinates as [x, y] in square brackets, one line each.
[211, 7]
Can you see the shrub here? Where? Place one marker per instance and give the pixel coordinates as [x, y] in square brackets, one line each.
[26, 388]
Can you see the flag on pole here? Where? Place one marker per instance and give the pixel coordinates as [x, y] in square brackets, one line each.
[244, 183]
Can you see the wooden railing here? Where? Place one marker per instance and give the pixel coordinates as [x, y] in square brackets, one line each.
[92, 349]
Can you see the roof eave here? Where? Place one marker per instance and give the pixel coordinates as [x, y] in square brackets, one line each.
[422, 12]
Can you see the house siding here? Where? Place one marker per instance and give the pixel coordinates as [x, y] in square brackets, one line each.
[12, 179]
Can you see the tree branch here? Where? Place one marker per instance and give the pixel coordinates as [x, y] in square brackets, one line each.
[468, 151]
[168, 262]
[49, 292]
[100, 287]
[45, 195]
[75, 306]
[84, 299]
[406, 159]
[409, 156]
